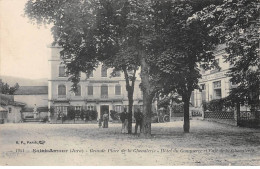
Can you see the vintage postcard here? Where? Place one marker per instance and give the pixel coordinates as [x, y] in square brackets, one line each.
[129, 83]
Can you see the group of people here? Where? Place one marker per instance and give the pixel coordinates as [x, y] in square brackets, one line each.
[124, 116]
[138, 120]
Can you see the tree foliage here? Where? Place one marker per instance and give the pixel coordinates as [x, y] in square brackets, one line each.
[7, 89]
[90, 32]
[236, 23]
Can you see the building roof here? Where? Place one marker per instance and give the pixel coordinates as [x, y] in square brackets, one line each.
[32, 90]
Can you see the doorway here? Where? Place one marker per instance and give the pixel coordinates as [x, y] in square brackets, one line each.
[103, 109]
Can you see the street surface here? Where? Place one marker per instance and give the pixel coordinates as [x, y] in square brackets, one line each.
[208, 143]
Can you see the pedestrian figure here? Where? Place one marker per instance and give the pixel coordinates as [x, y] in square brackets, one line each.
[138, 120]
[100, 123]
[105, 120]
[35, 113]
[124, 120]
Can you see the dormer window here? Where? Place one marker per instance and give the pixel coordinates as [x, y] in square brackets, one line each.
[103, 71]
[62, 71]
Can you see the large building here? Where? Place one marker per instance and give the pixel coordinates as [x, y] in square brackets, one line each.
[214, 83]
[99, 92]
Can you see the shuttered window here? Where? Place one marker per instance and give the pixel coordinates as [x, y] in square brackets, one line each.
[117, 90]
[61, 90]
[104, 91]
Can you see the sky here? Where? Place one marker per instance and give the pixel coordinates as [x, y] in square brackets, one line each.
[23, 46]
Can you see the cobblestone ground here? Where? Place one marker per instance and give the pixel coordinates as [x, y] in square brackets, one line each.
[208, 143]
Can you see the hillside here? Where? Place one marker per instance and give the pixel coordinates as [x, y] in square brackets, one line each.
[23, 81]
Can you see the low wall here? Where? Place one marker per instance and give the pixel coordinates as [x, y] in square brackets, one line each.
[41, 115]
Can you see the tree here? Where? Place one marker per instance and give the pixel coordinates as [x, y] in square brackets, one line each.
[6, 89]
[181, 45]
[89, 32]
[236, 23]
[94, 31]
[112, 29]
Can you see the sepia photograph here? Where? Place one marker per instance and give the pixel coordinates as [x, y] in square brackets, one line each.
[129, 83]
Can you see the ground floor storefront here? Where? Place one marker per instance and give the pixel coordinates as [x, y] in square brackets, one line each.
[92, 110]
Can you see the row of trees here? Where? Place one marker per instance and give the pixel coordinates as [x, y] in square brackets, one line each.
[7, 89]
[168, 40]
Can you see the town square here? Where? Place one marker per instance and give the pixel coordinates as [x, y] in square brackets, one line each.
[129, 83]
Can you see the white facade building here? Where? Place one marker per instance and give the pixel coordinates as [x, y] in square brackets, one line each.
[214, 83]
[99, 92]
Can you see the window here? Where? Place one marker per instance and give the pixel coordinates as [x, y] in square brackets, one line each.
[117, 90]
[104, 91]
[62, 72]
[217, 94]
[91, 74]
[217, 90]
[118, 108]
[217, 84]
[203, 92]
[61, 109]
[90, 90]
[9, 109]
[103, 71]
[61, 91]
[91, 107]
[202, 87]
[78, 92]
[77, 108]
[216, 69]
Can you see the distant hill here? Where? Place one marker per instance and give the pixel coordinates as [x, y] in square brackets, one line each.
[23, 81]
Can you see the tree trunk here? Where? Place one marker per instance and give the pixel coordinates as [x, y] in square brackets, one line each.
[186, 125]
[130, 94]
[147, 99]
[130, 113]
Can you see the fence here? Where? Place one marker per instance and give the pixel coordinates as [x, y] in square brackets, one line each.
[225, 117]
[242, 118]
[248, 119]
[219, 115]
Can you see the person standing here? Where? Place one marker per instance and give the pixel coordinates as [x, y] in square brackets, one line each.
[99, 122]
[105, 119]
[49, 116]
[124, 120]
[35, 113]
[138, 120]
